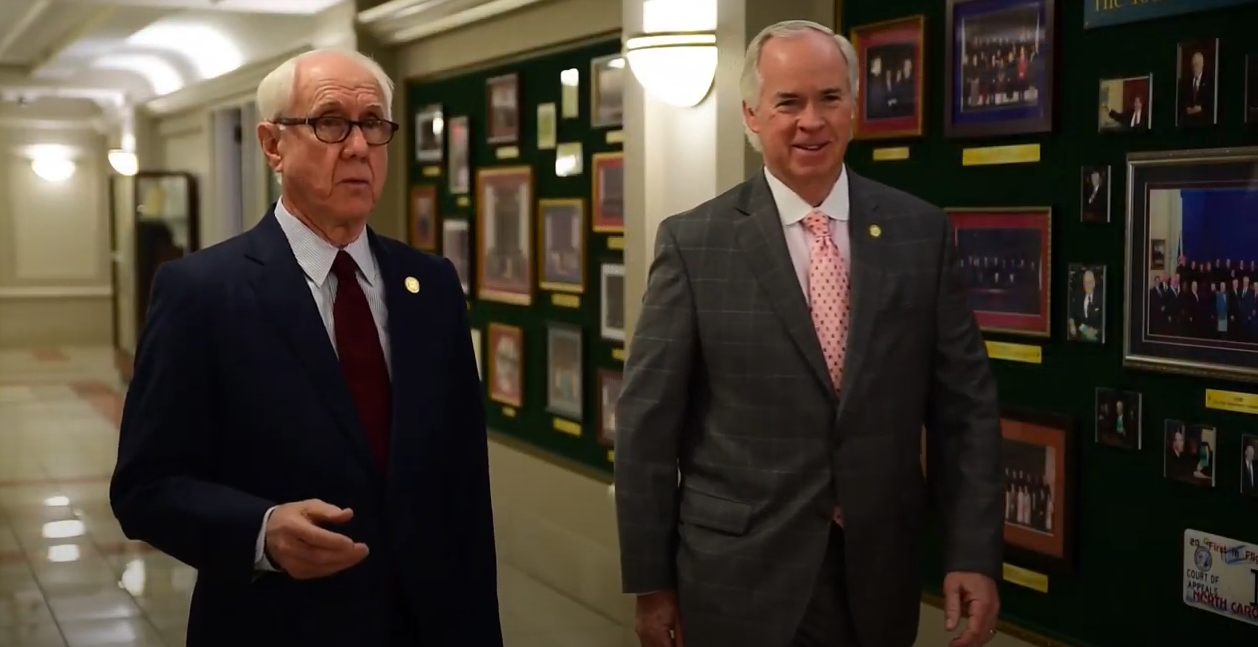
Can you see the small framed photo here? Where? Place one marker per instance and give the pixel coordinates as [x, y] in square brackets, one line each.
[1197, 74]
[476, 351]
[611, 321]
[1038, 457]
[563, 370]
[547, 127]
[608, 192]
[423, 219]
[999, 67]
[1004, 254]
[460, 170]
[1094, 195]
[569, 159]
[429, 128]
[1125, 104]
[504, 224]
[506, 364]
[890, 57]
[1085, 295]
[1118, 418]
[1249, 464]
[456, 245]
[561, 245]
[1189, 454]
[1251, 89]
[504, 109]
[607, 94]
[608, 396]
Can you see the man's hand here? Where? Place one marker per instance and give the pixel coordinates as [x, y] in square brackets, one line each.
[296, 544]
[974, 596]
[658, 620]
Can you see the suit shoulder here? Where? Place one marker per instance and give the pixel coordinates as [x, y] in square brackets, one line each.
[204, 265]
[698, 219]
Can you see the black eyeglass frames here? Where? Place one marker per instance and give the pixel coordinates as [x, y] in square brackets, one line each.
[334, 130]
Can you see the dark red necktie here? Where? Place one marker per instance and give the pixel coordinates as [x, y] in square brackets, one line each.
[362, 358]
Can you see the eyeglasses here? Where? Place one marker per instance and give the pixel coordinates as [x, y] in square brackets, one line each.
[334, 130]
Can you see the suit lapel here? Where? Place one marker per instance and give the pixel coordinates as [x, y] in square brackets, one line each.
[282, 289]
[865, 271]
[761, 236]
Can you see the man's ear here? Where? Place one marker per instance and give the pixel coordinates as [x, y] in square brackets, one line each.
[749, 118]
[269, 140]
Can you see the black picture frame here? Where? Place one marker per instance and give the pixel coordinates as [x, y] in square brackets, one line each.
[1163, 330]
[1011, 120]
[1054, 552]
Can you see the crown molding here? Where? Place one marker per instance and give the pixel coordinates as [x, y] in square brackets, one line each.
[95, 124]
[241, 81]
[416, 21]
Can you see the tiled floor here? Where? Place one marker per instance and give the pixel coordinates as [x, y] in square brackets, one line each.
[69, 578]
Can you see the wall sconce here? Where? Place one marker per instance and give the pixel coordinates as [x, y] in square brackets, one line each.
[675, 58]
[123, 162]
[53, 169]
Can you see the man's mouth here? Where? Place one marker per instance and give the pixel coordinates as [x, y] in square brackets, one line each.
[812, 148]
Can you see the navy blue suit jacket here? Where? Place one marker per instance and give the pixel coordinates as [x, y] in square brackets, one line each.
[238, 403]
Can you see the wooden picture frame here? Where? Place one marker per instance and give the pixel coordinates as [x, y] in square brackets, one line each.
[503, 109]
[1040, 469]
[504, 240]
[989, 240]
[972, 105]
[607, 204]
[608, 383]
[565, 374]
[505, 344]
[887, 51]
[561, 245]
[423, 217]
[1196, 203]
[607, 95]
[611, 318]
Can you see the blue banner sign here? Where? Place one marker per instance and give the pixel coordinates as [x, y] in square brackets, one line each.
[1103, 13]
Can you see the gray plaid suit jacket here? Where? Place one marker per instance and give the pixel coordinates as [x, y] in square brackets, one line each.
[726, 386]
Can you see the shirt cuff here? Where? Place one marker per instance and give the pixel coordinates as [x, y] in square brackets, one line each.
[260, 562]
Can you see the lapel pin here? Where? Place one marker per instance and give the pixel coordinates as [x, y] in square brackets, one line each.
[412, 285]
[875, 231]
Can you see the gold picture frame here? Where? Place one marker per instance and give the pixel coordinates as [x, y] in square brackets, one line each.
[504, 250]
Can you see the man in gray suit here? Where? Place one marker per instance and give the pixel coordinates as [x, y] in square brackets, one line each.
[767, 459]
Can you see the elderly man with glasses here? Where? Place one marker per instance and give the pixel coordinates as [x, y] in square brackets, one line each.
[305, 424]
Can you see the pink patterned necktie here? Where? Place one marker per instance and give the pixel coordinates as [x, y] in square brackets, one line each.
[827, 292]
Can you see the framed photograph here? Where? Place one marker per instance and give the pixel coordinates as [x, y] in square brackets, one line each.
[547, 128]
[429, 126]
[890, 57]
[504, 220]
[608, 396]
[1197, 75]
[1251, 88]
[1189, 453]
[1119, 418]
[561, 245]
[459, 173]
[563, 370]
[1094, 195]
[1038, 457]
[607, 93]
[423, 220]
[1085, 294]
[506, 364]
[1249, 464]
[611, 320]
[504, 109]
[476, 350]
[1005, 257]
[1192, 307]
[569, 159]
[999, 67]
[1125, 105]
[456, 245]
[608, 192]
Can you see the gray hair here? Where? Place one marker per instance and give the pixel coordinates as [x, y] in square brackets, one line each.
[749, 84]
[275, 92]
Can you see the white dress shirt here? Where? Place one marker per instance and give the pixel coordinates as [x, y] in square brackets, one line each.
[793, 209]
[315, 256]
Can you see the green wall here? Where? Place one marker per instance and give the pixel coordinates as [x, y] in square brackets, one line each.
[1127, 591]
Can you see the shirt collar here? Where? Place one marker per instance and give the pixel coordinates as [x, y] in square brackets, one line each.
[315, 255]
[792, 208]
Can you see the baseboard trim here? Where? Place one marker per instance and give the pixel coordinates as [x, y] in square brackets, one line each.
[1006, 627]
[56, 292]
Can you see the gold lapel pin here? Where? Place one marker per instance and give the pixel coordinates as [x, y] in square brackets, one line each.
[412, 285]
[875, 231]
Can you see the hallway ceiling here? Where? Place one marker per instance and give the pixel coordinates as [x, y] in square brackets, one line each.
[107, 50]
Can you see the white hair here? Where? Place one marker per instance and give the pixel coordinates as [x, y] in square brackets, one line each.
[275, 92]
[749, 84]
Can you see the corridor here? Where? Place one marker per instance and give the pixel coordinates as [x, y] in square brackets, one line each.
[68, 576]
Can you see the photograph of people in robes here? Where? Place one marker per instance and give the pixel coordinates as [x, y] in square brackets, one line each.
[1118, 418]
[1029, 470]
[890, 56]
[1085, 294]
[1003, 255]
[1000, 67]
[1189, 453]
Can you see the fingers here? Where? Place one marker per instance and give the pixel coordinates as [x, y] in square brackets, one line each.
[952, 603]
[319, 512]
[311, 564]
[317, 537]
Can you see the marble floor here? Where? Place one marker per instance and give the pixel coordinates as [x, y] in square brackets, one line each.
[68, 576]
